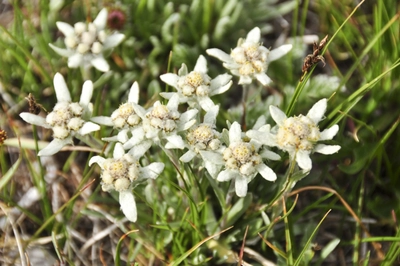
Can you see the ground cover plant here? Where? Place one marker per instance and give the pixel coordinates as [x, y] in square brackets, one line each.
[199, 132]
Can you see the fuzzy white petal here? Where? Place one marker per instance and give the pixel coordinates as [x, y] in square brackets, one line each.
[101, 19]
[173, 102]
[97, 159]
[174, 142]
[226, 175]
[277, 115]
[54, 146]
[270, 155]
[113, 41]
[170, 78]
[211, 116]
[188, 115]
[326, 149]
[329, 133]
[254, 35]
[212, 157]
[122, 136]
[219, 86]
[241, 187]
[152, 171]
[118, 151]
[75, 60]
[103, 120]
[221, 55]
[61, 51]
[34, 119]
[87, 91]
[245, 80]
[137, 136]
[206, 103]
[140, 149]
[303, 160]
[212, 168]
[65, 28]
[134, 93]
[128, 205]
[279, 52]
[62, 92]
[167, 95]
[317, 111]
[100, 64]
[188, 156]
[201, 65]
[263, 79]
[235, 133]
[183, 71]
[266, 172]
[88, 127]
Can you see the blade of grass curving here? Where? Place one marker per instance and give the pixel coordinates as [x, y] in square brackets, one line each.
[274, 248]
[190, 251]
[119, 244]
[354, 98]
[66, 204]
[28, 54]
[327, 250]
[394, 251]
[302, 253]
[366, 50]
[288, 238]
[376, 246]
[10, 173]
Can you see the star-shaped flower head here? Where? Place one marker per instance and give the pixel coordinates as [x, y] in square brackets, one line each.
[196, 87]
[125, 120]
[298, 135]
[68, 119]
[86, 42]
[204, 137]
[122, 173]
[243, 160]
[165, 122]
[250, 59]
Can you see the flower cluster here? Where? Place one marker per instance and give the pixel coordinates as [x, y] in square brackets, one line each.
[68, 119]
[249, 59]
[298, 135]
[229, 155]
[86, 42]
[122, 173]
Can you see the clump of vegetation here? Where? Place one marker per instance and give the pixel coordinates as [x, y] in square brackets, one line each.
[199, 133]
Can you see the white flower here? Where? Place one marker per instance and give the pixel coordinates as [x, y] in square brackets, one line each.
[243, 160]
[196, 87]
[298, 135]
[67, 118]
[165, 122]
[125, 120]
[204, 137]
[122, 173]
[249, 59]
[85, 43]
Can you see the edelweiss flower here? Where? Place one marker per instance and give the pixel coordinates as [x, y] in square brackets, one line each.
[249, 59]
[298, 135]
[85, 43]
[67, 118]
[122, 173]
[125, 120]
[243, 161]
[164, 122]
[203, 137]
[196, 87]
